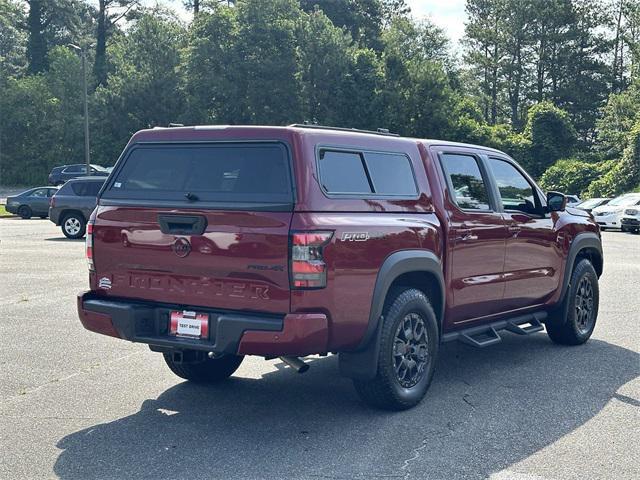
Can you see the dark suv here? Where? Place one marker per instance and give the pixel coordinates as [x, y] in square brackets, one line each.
[211, 243]
[72, 205]
[60, 175]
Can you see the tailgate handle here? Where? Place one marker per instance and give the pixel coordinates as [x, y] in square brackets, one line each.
[182, 224]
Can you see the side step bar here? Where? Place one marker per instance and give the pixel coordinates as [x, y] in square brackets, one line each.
[486, 335]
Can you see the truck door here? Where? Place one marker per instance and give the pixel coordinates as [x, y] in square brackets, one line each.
[476, 239]
[533, 260]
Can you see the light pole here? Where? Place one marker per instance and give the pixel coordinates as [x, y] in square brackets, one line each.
[83, 56]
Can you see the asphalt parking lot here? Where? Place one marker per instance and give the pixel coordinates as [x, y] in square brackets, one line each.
[79, 405]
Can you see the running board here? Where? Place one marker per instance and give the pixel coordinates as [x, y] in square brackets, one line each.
[486, 335]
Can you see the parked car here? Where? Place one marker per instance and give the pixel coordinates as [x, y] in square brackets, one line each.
[572, 200]
[292, 241]
[30, 203]
[60, 175]
[71, 207]
[589, 205]
[609, 215]
[630, 221]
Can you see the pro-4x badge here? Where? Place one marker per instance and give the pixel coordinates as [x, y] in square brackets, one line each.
[104, 283]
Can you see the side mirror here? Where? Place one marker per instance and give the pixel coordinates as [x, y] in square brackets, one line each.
[556, 201]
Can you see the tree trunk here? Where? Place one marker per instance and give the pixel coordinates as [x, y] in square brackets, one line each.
[615, 84]
[36, 43]
[100, 65]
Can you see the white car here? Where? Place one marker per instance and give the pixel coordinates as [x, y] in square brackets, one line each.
[610, 215]
[572, 200]
[630, 221]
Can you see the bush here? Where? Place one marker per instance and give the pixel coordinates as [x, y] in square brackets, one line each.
[573, 176]
[551, 134]
[625, 174]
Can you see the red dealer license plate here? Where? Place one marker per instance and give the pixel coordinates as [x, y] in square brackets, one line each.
[189, 324]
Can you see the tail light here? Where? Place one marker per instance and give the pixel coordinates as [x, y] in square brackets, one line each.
[89, 240]
[308, 269]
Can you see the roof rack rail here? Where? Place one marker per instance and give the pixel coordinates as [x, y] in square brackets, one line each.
[379, 131]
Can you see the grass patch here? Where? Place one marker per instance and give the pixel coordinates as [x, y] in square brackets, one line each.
[3, 211]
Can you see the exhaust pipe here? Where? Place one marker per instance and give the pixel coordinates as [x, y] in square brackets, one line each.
[295, 363]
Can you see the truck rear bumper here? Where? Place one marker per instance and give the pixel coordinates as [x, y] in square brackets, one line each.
[233, 333]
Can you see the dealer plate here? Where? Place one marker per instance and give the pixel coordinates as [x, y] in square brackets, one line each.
[189, 324]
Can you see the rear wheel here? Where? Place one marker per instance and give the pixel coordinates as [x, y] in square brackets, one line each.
[25, 212]
[408, 350]
[575, 320]
[207, 370]
[73, 226]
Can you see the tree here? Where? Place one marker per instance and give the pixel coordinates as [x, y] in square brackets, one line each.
[211, 75]
[484, 50]
[573, 176]
[267, 56]
[50, 23]
[625, 174]
[45, 125]
[325, 57]
[12, 40]
[551, 134]
[37, 43]
[109, 13]
[619, 115]
[143, 91]
[362, 18]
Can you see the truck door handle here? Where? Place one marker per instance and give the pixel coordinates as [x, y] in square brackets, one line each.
[182, 224]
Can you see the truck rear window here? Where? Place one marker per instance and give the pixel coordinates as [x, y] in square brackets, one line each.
[225, 172]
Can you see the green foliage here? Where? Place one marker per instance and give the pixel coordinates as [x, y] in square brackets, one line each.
[144, 84]
[12, 39]
[625, 174]
[573, 176]
[267, 62]
[618, 117]
[551, 134]
[325, 67]
[210, 56]
[534, 76]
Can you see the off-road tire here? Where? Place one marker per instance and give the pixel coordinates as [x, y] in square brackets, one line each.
[80, 226]
[25, 212]
[211, 370]
[564, 326]
[385, 390]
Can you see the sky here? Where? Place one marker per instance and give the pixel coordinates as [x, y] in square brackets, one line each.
[447, 14]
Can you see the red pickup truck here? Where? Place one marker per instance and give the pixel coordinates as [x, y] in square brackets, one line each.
[214, 242]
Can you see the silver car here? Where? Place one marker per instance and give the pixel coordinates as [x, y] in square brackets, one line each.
[71, 207]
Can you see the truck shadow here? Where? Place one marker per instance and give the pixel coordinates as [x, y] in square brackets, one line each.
[486, 410]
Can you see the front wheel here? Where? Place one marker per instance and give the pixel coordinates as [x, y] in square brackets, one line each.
[208, 370]
[575, 320]
[73, 226]
[408, 351]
